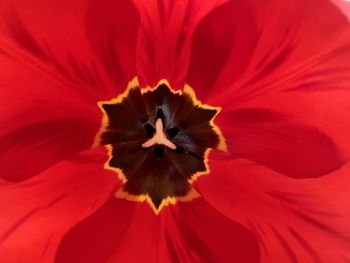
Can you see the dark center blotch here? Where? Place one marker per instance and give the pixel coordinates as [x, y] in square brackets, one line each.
[158, 171]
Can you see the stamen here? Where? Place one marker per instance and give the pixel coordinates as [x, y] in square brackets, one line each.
[159, 138]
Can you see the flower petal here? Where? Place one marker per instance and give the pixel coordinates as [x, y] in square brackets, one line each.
[112, 27]
[199, 233]
[44, 108]
[33, 74]
[43, 37]
[223, 42]
[51, 78]
[97, 238]
[294, 220]
[246, 49]
[281, 76]
[38, 212]
[85, 42]
[282, 143]
[33, 148]
[164, 41]
[344, 6]
[125, 231]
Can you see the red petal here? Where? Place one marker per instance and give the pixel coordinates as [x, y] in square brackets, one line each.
[294, 220]
[289, 62]
[90, 43]
[124, 231]
[40, 123]
[35, 147]
[42, 209]
[47, 114]
[280, 142]
[112, 27]
[36, 84]
[223, 42]
[51, 79]
[165, 37]
[98, 237]
[246, 49]
[344, 6]
[199, 233]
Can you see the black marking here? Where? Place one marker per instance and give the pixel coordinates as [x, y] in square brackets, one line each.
[150, 130]
[172, 132]
[159, 151]
[158, 171]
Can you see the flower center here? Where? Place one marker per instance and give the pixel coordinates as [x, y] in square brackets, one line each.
[158, 141]
[159, 138]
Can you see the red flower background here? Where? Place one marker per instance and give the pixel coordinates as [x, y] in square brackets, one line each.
[280, 70]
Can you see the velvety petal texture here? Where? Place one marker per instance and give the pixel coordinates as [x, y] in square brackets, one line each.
[281, 40]
[294, 220]
[36, 213]
[280, 72]
[344, 6]
[57, 61]
[278, 69]
[112, 29]
[284, 144]
[165, 37]
[130, 232]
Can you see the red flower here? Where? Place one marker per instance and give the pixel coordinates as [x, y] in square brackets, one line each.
[279, 70]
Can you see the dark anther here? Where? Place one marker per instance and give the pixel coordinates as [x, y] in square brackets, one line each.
[160, 114]
[172, 132]
[159, 151]
[150, 130]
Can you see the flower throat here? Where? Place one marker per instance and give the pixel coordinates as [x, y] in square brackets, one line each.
[158, 141]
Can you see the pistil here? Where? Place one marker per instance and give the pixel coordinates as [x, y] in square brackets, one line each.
[159, 138]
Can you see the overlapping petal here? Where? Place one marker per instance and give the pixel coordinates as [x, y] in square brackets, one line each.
[165, 37]
[35, 214]
[278, 69]
[57, 61]
[130, 232]
[223, 44]
[283, 143]
[264, 44]
[112, 29]
[294, 220]
[280, 72]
